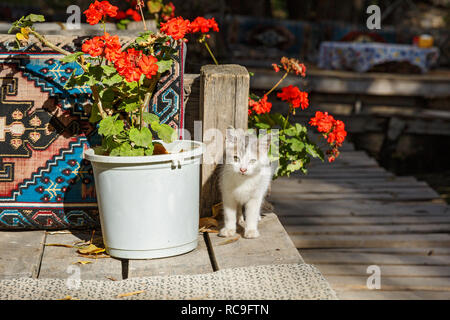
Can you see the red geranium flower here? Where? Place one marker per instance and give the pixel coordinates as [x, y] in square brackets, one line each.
[323, 121]
[113, 49]
[203, 25]
[177, 28]
[136, 16]
[294, 96]
[333, 130]
[126, 65]
[106, 45]
[121, 15]
[93, 47]
[148, 66]
[98, 10]
[262, 106]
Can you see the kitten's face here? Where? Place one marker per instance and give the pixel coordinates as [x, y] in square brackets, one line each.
[247, 157]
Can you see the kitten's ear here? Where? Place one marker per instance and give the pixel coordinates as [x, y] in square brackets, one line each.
[264, 143]
[230, 136]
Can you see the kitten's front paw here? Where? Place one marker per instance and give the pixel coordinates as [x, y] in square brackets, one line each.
[241, 222]
[251, 234]
[225, 232]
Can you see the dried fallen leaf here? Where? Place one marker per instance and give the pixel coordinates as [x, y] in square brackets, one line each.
[111, 278]
[159, 149]
[130, 294]
[68, 298]
[82, 262]
[229, 241]
[59, 245]
[208, 222]
[94, 256]
[203, 229]
[58, 232]
[216, 209]
[90, 249]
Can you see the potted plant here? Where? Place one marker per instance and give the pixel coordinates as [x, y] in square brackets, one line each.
[147, 187]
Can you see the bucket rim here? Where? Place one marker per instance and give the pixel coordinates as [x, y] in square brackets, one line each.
[195, 151]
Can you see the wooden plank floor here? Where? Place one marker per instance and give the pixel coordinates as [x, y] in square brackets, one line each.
[52, 254]
[352, 214]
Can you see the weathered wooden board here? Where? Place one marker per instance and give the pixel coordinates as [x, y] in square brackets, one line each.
[310, 185]
[436, 251]
[367, 229]
[372, 241]
[351, 258]
[272, 247]
[20, 253]
[393, 295]
[194, 262]
[363, 221]
[385, 271]
[383, 84]
[388, 283]
[417, 194]
[61, 262]
[356, 207]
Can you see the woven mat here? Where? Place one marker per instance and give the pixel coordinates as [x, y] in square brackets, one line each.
[278, 282]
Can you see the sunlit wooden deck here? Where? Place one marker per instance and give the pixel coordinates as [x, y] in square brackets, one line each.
[346, 216]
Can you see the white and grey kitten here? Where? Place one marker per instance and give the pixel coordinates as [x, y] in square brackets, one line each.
[245, 179]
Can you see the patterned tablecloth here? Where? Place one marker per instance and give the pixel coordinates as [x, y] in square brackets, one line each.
[361, 57]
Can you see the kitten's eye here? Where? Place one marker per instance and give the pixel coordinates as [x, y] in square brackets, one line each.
[236, 159]
[252, 161]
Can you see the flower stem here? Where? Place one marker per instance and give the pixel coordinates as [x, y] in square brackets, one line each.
[277, 84]
[47, 43]
[143, 18]
[210, 52]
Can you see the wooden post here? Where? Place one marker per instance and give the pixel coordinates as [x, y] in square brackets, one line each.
[224, 91]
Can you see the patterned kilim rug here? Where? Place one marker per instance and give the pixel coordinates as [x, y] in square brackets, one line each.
[280, 282]
[44, 128]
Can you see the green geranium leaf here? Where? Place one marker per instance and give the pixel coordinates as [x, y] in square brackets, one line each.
[149, 118]
[314, 151]
[99, 150]
[107, 95]
[110, 126]
[164, 65]
[130, 105]
[262, 125]
[296, 144]
[108, 70]
[35, 18]
[292, 131]
[122, 150]
[71, 57]
[115, 79]
[294, 166]
[142, 138]
[165, 132]
[149, 150]
[96, 72]
[94, 117]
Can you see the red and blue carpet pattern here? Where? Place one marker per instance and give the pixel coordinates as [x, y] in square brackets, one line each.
[44, 182]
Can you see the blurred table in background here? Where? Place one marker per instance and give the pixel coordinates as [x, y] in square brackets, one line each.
[362, 57]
